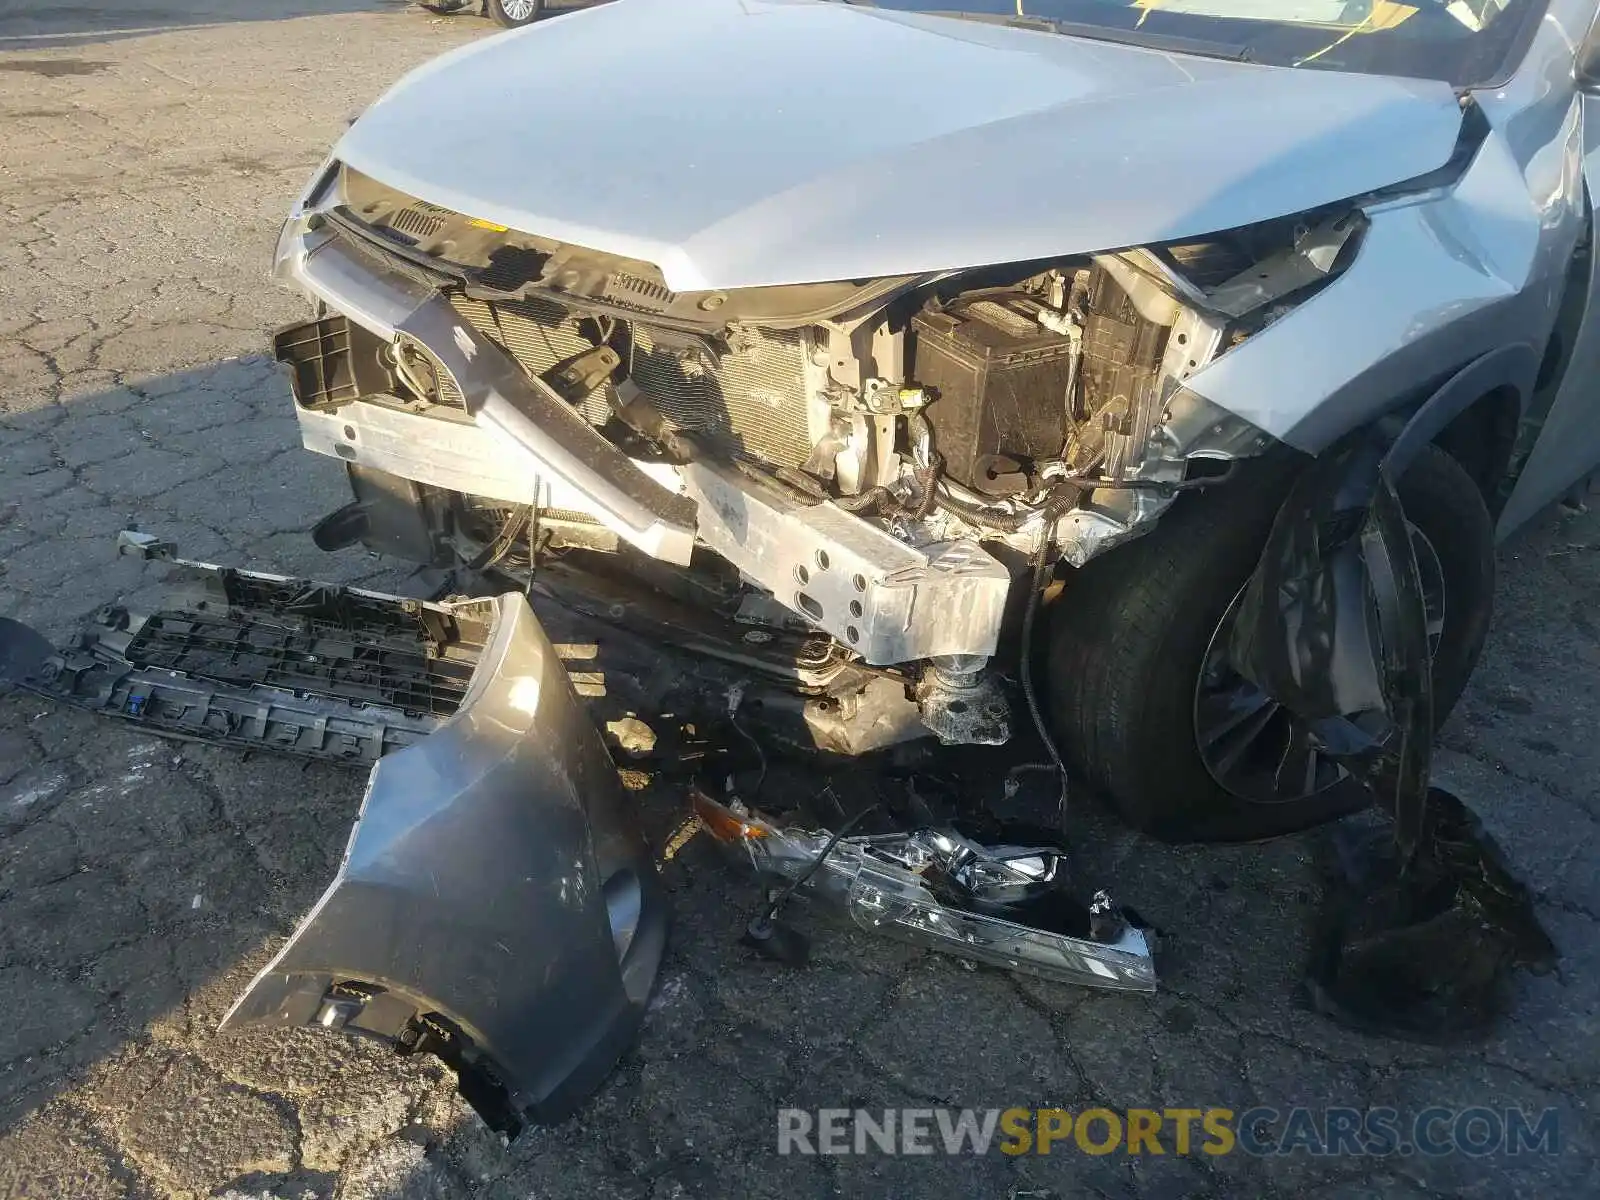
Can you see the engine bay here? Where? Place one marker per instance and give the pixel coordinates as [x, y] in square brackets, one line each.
[881, 461]
[1025, 374]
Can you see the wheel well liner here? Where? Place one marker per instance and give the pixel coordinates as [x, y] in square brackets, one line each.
[1473, 415]
[1482, 438]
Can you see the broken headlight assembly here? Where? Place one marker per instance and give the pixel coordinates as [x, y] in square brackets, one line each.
[1120, 336]
[1004, 906]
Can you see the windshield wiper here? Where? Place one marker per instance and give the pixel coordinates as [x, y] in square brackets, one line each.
[1177, 44]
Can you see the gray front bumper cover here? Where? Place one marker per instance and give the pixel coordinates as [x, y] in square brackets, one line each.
[495, 904]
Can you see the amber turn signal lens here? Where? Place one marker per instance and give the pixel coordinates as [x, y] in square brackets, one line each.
[720, 821]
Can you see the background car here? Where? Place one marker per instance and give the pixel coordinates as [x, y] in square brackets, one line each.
[513, 14]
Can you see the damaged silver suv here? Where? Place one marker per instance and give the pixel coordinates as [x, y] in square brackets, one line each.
[1151, 380]
[897, 301]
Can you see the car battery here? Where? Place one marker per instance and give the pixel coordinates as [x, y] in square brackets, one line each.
[1000, 384]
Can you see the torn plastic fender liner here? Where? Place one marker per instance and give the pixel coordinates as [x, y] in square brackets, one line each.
[1303, 633]
[495, 905]
[1419, 939]
[1332, 623]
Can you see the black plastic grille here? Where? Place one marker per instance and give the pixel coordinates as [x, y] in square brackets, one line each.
[317, 641]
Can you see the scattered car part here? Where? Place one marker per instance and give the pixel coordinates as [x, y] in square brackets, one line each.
[1004, 906]
[1420, 934]
[496, 877]
[496, 904]
[136, 544]
[765, 932]
[259, 662]
[1422, 949]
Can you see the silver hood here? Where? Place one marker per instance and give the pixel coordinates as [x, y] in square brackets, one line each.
[739, 143]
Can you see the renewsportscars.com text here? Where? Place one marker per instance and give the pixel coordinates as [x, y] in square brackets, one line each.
[1329, 1131]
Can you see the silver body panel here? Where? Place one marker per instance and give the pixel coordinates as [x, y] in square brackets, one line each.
[494, 875]
[832, 142]
[1440, 277]
[1569, 441]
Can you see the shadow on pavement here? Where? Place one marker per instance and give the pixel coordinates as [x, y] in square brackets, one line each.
[143, 881]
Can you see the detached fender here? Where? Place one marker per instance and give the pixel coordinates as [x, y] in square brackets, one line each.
[496, 905]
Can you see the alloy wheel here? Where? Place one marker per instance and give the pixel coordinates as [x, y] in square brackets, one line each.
[1252, 745]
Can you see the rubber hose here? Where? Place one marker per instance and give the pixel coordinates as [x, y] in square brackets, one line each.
[1042, 567]
[867, 501]
[928, 480]
[1063, 497]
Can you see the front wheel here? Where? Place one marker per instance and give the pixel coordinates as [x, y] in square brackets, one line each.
[1142, 697]
[514, 14]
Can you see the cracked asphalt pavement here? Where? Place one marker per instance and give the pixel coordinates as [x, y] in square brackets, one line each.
[146, 156]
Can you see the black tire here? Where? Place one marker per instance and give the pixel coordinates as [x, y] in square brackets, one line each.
[1130, 631]
[531, 12]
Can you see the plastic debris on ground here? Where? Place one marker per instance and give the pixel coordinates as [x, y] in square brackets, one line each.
[1423, 921]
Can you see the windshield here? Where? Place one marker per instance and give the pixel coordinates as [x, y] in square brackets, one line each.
[1463, 42]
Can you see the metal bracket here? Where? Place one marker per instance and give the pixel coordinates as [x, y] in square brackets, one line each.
[145, 545]
[888, 601]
